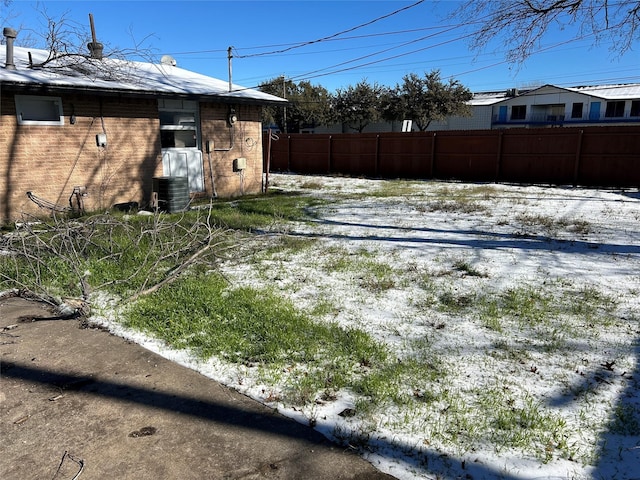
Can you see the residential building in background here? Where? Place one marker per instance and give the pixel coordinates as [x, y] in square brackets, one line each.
[545, 106]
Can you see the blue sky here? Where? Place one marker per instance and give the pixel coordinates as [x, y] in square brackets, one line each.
[417, 40]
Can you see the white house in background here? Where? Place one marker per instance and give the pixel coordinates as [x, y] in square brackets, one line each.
[545, 106]
[551, 106]
[573, 106]
[482, 113]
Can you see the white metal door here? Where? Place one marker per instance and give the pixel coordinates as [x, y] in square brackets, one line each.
[184, 162]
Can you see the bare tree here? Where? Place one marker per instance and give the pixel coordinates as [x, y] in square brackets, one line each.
[5, 12]
[9, 18]
[522, 24]
[75, 49]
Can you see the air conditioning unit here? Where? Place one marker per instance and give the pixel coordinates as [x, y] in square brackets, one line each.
[171, 194]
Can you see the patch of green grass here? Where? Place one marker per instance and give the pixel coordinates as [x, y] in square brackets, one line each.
[521, 422]
[312, 185]
[288, 245]
[525, 304]
[460, 205]
[590, 304]
[552, 225]
[338, 259]
[546, 314]
[373, 275]
[465, 267]
[491, 316]
[249, 213]
[485, 192]
[625, 420]
[399, 383]
[397, 188]
[453, 301]
[376, 276]
[323, 307]
[446, 296]
[244, 325]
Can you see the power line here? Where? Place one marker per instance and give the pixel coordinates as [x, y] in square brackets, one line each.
[410, 42]
[555, 46]
[459, 60]
[441, 30]
[349, 64]
[317, 74]
[329, 37]
[541, 50]
[354, 37]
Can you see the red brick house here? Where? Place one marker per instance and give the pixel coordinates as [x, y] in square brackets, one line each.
[107, 128]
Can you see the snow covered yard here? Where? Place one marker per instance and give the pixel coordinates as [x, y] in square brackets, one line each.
[525, 296]
[520, 304]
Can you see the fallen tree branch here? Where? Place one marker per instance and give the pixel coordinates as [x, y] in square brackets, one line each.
[153, 253]
[172, 275]
[78, 461]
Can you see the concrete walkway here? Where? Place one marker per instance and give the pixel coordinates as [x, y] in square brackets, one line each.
[76, 399]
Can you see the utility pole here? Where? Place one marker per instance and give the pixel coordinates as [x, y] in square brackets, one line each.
[229, 57]
[284, 95]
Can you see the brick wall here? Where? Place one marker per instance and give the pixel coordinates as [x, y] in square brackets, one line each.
[51, 160]
[243, 139]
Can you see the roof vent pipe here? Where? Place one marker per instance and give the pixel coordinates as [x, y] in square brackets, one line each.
[95, 47]
[10, 35]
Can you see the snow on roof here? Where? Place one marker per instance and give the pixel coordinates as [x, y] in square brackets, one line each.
[119, 75]
[607, 92]
[610, 92]
[487, 98]
[129, 76]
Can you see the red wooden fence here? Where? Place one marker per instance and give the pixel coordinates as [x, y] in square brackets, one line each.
[594, 156]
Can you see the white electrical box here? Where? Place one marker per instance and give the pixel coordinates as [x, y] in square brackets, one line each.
[101, 139]
[239, 164]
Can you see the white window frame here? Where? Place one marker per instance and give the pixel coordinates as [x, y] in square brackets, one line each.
[31, 101]
[190, 109]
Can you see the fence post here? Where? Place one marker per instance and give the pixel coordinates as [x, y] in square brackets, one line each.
[266, 180]
[576, 169]
[289, 153]
[329, 156]
[377, 161]
[499, 158]
[433, 156]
